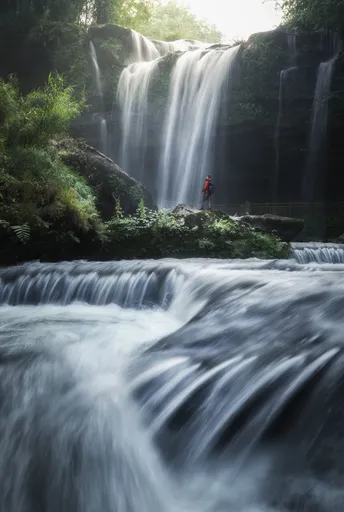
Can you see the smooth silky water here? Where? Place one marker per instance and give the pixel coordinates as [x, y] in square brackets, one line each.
[158, 386]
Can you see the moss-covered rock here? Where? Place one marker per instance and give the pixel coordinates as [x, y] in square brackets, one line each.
[286, 228]
[209, 234]
[110, 184]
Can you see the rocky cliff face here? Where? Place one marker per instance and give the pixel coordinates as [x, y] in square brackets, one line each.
[262, 141]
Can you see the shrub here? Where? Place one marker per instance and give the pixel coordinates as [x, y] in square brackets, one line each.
[38, 193]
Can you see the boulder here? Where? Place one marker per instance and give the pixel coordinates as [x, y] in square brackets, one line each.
[184, 209]
[109, 182]
[286, 228]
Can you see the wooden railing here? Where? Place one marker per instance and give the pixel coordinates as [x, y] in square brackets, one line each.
[290, 209]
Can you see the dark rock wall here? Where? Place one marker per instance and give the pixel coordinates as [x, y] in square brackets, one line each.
[245, 141]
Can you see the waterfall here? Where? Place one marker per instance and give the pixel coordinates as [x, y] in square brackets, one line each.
[317, 252]
[197, 86]
[171, 385]
[312, 182]
[181, 45]
[292, 49]
[283, 94]
[103, 130]
[132, 96]
[143, 49]
[203, 74]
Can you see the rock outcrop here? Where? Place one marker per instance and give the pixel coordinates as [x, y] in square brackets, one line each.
[108, 181]
[286, 228]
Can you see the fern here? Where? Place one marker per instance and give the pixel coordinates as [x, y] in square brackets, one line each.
[22, 232]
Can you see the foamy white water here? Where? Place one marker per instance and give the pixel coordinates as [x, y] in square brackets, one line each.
[161, 386]
[199, 79]
[132, 95]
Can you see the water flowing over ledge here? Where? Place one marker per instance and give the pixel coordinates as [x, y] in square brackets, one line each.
[318, 252]
[113, 374]
[199, 81]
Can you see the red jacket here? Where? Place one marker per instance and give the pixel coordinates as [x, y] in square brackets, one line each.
[205, 188]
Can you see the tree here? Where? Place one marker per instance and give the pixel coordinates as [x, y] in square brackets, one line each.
[132, 13]
[314, 14]
[172, 20]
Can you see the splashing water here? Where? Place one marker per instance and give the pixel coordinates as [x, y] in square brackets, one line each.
[201, 386]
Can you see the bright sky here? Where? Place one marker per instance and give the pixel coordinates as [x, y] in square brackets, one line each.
[237, 18]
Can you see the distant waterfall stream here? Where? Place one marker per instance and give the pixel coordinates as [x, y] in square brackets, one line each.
[283, 95]
[313, 182]
[172, 386]
[102, 122]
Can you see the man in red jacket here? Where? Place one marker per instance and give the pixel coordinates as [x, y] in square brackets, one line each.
[207, 191]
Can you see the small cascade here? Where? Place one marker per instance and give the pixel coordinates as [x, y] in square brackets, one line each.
[196, 88]
[317, 252]
[283, 96]
[103, 130]
[312, 179]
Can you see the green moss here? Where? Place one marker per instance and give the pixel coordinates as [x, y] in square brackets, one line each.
[203, 234]
[136, 193]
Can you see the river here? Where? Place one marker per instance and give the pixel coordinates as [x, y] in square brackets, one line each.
[172, 386]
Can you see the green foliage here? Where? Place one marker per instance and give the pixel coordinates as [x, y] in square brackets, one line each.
[132, 13]
[23, 232]
[205, 234]
[173, 20]
[35, 118]
[64, 48]
[38, 193]
[318, 14]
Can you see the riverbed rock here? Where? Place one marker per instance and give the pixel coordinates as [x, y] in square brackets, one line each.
[184, 209]
[286, 228]
[108, 181]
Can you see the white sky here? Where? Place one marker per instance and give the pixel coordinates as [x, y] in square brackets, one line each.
[237, 18]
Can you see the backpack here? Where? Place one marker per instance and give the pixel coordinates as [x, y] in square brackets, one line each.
[211, 188]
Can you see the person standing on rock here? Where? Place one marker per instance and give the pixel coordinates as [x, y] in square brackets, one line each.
[207, 191]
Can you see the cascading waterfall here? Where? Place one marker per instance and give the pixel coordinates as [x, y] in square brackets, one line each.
[181, 45]
[133, 99]
[199, 78]
[167, 386]
[197, 86]
[317, 142]
[132, 96]
[144, 50]
[283, 95]
[318, 252]
[103, 130]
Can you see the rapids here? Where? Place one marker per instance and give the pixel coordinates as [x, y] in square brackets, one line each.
[172, 386]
